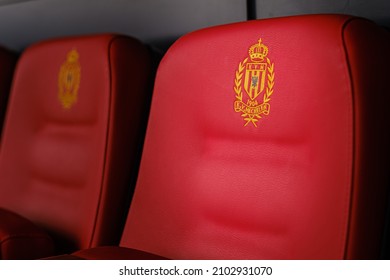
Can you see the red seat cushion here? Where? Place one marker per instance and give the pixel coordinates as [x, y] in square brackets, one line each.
[72, 136]
[275, 149]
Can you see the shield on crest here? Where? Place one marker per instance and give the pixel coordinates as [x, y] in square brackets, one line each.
[255, 79]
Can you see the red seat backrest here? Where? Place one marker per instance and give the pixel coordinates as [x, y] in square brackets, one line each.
[72, 136]
[267, 139]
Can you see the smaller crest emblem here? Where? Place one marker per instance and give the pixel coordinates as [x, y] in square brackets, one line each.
[255, 77]
[69, 80]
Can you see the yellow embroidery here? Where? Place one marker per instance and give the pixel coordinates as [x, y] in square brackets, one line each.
[256, 75]
[69, 80]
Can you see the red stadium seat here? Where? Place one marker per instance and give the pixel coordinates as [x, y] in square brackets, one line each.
[71, 140]
[267, 139]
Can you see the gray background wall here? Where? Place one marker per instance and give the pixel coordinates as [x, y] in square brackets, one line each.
[153, 21]
[377, 10]
[158, 22]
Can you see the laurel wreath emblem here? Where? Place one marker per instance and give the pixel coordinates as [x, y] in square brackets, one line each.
[253, 118]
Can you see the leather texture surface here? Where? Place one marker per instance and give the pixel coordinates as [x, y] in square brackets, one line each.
[309, 182]
[20, 238]
[68, 169]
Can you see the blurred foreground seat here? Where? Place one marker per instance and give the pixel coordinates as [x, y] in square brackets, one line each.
[71, 144]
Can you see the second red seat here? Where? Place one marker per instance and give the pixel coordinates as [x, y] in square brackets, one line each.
[71, 143]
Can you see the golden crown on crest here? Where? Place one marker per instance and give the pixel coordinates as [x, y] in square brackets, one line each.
[72, 56]
[258, 52]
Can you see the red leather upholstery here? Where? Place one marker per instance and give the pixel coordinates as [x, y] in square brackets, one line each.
[305, 180]
[309, 182]
[7, 66]
[72, 136]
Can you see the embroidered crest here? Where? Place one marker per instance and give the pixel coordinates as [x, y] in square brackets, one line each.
[255, 76]
[69, 80]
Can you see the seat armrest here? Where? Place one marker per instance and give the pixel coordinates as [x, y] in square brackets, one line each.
[63, 257]
[22, 239]
[115, 253]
